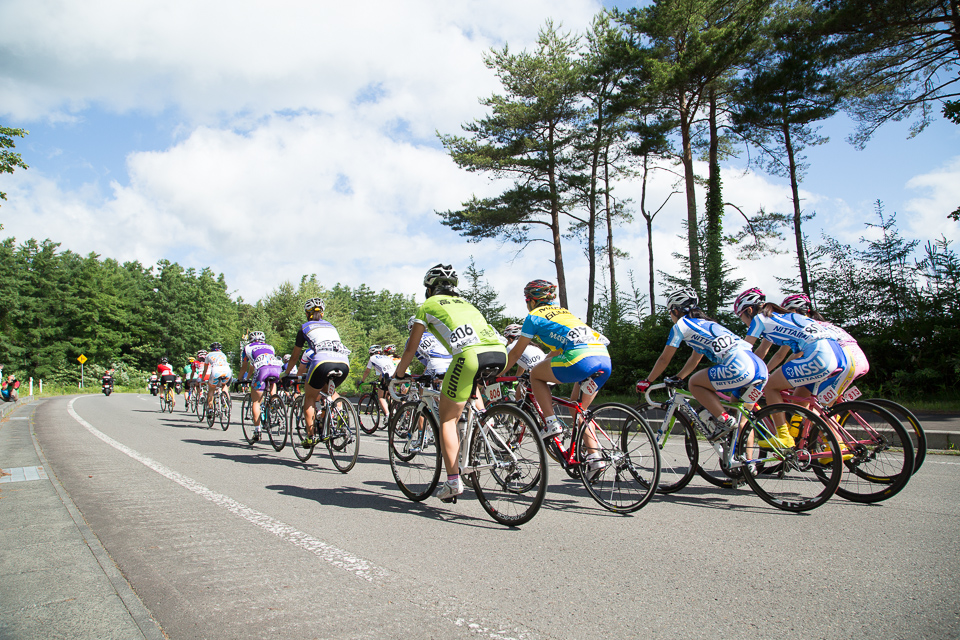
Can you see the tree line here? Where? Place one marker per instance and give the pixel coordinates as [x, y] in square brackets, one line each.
[57, 305]
[652, 89]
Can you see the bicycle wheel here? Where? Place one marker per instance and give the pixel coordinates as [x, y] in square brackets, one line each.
[626, 478]
[910, 422]
[201, 407]
[342, 434]
[163, 402]
[277, 424]
[880, 459]
[298, 432]
[793, 479]
[415, 461]
[170, 401]
[370, 413]
[677, 442]
[246, 418]
[509, 464]
[225, 404]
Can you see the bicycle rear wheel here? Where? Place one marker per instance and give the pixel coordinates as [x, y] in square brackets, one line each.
[246, 419]
[298, 432]
[677, 443]
[277, 423]
[415, 461]
[879, 460]
[626, 478]
[796, 478]
[163, 402]
[912, 424]
[201, 407]
[342, 434]
[510, 464]
[225, 404]
[170, 401]
[369, 408]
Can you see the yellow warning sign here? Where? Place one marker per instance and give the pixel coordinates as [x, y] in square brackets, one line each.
[82, 359]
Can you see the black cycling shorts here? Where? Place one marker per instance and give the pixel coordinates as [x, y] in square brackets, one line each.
[324, 372]
[168, 380]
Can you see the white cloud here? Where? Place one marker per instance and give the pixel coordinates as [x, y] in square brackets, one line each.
[928, 213]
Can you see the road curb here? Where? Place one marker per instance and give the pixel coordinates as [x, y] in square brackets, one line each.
[135, 607]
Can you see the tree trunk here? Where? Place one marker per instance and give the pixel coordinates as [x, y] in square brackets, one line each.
[609, 215]
[795, 190]
[714, 213]
[649, 219]
[555, 223]
[690, 180]
[592, 219]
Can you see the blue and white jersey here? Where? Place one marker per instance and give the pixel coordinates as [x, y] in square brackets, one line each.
[433, 355]
[708, 338]
[324, 339]
[790, 329]
[531, 356]
[385, 365]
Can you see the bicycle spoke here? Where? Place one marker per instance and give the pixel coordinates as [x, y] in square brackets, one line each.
[343, 434]
[415, 459]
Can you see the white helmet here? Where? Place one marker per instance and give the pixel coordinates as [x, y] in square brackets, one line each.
[313, 304]
[512, 331]
[374, 349]
[682, 299]
[258, 336]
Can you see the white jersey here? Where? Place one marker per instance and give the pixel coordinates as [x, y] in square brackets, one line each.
[219, 365]
[531, 356]
[433, 355]
[384, 364]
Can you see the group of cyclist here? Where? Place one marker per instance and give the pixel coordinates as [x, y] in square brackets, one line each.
[453, 341]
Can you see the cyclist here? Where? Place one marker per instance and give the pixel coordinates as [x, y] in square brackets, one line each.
[189, 372]
[820, 355]
[329, 365]
[431, 353]
[167, 377]
[735, 367]
[531, 356]
[858, 367]
[473, 345]
[216, 373]
[577, 354]
[260, 358]
[385, 365]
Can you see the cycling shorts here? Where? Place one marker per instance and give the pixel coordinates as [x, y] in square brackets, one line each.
[821, 360]
[168, 380]
[220, 376]
[321, 373]
[580, 363]
[268, 371]
[458, 381]
[738, 371]
[383, 383]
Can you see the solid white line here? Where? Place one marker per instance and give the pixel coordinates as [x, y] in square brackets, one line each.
[337, 557]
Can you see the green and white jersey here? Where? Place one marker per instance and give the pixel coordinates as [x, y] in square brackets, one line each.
[457, 324]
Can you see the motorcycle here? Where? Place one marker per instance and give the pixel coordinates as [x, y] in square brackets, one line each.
[106, 385]
[178, 385]
[154, 385]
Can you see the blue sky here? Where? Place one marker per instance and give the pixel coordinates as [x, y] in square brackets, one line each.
[268, 145]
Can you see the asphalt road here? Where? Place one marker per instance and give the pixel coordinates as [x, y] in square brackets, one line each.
[220, 540]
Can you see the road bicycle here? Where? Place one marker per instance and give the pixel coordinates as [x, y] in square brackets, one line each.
[372, 412]
[193, 390]
[201, 403]
[222, 405]
[273, 416]
[877, 452]
[166, 398]
[501, 456]
[797, 478]
[628, 452]
[339, 430]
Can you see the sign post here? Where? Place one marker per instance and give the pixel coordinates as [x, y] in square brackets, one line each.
[81, 360]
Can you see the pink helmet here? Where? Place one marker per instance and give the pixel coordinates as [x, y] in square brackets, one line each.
[798, 302]
[749, 298]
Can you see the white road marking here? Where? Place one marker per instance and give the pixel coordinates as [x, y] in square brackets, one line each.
[337, 557]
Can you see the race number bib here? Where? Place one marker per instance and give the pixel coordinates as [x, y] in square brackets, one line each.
[850, 394]
[752, 395]
[827, 397]
[589, 387]
[263, 360]
[493, 392]
[463, 336]
[579, 335]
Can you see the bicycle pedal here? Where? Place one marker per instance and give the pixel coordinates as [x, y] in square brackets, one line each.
[451, 499]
